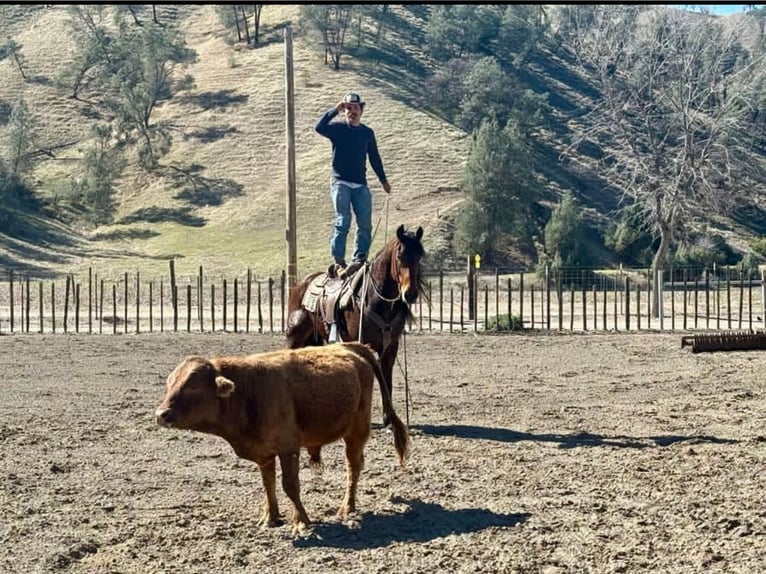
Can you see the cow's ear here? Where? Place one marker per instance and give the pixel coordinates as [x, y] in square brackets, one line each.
[224, 387]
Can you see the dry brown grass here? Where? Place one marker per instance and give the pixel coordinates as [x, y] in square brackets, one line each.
[423, 156]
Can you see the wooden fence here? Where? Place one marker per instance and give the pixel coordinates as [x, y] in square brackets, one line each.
[574, 300]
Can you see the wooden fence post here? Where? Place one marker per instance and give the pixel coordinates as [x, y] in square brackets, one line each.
[151, 306]
[66, 306]
[271, 304]
[547, 297]
[101, 308]
[138, 302]
[201, 300]
[77, 309]
[282, 298]
[162, 306]
[236, 300]
[225, 303]
[249, 293]
[707, 298]
[28, 302]
[441, 300]
[763, 297]
[188, 308]
[584, 301]
[173, 293]
[450, 309]
[114, 309]
[90, 300]
[571, 306]
[212, 306]
[260, 311]
[10, 284]
[560, 297]
[728, 299]
[125, 304]
[749, 301]
[53, 307]
[40, 301]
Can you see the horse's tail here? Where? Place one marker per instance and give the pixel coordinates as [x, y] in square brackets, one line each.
[401, 436]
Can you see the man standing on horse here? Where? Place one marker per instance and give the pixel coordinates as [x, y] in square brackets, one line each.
[352, 143]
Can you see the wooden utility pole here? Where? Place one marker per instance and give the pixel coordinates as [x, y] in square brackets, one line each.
[290, 232]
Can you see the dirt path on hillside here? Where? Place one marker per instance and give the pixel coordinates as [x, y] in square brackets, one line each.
[531, 454]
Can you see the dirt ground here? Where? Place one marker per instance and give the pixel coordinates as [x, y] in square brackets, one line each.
[531, 454]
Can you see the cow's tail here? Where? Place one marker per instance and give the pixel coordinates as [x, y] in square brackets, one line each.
[401, 435]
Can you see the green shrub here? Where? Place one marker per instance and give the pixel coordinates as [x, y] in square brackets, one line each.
[759, 246]
[502, 323]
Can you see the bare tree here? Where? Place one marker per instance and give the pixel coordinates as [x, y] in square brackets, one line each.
[671, 126]
[330, 22]
[244, 19]
[257, 8]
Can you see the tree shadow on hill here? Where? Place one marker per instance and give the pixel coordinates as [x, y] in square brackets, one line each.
[122, 234]
[542, 83]
[201, 191]
[212, 134]
[751, 216]
[215, 100]
[390, 63]
[272, 34]
[154, 214]
[399, 72]
[420, 522]
[582, 439]
[22, 268]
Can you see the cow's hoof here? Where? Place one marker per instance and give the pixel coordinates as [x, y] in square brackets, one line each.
[346, 512]
[270, 522]
[300, 528]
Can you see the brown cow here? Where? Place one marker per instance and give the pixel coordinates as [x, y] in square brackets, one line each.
[271, 404]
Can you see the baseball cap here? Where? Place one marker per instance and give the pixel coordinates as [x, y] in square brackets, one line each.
[353, 98]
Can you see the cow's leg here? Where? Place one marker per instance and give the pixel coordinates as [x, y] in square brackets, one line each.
[290, 484]
[355, 441]
[387, 366]
[270, 514]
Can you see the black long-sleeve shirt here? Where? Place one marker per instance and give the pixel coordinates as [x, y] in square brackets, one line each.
[351, 145]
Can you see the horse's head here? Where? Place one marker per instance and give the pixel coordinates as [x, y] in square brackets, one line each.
[405, 263]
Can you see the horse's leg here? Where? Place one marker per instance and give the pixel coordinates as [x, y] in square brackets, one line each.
[387, 360]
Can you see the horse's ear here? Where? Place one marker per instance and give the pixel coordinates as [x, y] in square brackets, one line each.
[419, 233]
[400, 232]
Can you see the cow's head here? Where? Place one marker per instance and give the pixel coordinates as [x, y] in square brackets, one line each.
[194, 389]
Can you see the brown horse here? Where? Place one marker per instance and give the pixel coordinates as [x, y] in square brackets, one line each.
[390, 283]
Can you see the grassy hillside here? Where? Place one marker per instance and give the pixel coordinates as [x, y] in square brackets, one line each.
[231, 136]
[220, 200]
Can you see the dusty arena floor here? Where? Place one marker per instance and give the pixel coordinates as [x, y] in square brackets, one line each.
[531, 454]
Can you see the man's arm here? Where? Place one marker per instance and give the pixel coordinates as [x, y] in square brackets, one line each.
[323, 124]
[377, 163]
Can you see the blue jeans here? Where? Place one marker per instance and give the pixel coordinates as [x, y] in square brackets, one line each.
[344, 198]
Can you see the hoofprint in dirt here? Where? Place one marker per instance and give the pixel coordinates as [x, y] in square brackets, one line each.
[531, 453]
